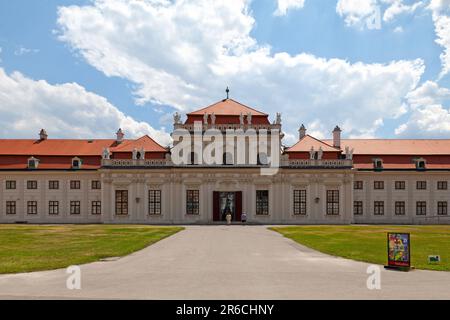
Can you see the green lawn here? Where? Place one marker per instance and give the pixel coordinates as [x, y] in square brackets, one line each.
[25, 248]
[368, 243]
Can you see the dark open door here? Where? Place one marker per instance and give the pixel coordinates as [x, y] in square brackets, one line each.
[238, 205]
[216, 210]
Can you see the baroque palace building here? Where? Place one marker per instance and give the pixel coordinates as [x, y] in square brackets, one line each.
[333, 181]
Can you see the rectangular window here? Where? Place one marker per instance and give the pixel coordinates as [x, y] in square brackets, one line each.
[442, 208]
[32, 207]
[400, 185]
[378, 208]
[192, 202]
[10, 184]
[154, 202]
[75, 184]
[358, 185]
[357, 208]
[421, 208]
[300, 202]
[53, 184]
[333, 202]
[10, 207]
[74, 207]
[96, 185]
[53, 207]
[421, 185]
[400, 208]
[121, 202]
[378, 185]
[442, 185]
[262, 202]
[31, 184]
[96, 207]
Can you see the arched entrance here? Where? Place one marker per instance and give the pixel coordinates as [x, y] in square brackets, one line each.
[227, 201]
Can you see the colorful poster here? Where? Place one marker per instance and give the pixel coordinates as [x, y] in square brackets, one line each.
[399, 250]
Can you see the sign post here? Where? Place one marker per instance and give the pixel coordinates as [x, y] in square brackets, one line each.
[399, 251]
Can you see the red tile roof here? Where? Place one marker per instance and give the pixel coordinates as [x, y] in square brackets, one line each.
[145, 142]
[228, 107]
[305, 144]
[397, 146]
[71, 147]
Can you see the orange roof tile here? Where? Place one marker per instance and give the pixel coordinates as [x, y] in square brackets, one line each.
[397, 146]
[54, 147]
[228, 107]
[305, 144]
[145, 142]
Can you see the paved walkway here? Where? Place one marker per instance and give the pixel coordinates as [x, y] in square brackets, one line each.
[220, 262]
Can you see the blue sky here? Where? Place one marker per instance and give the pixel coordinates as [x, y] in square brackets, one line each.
[311, 63]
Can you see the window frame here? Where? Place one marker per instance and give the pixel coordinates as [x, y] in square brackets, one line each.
[32, 184]
[96, 207]
[421, 208]
[378, 185]
[75, 184]
[192, 202]
[53, 184]
[421, 185]
[32, 207]
[96, 185]
[358, 208]
[441, 207]
[378, 208]
[10, 185]
[358, 185]
[299, 202]
[53, 207]
[75, 207]
[154, 202]
[400, 208]
[442, 185]
[11, 207]
[121, 202]
[332, 202]
[400, 185]
[262, 202]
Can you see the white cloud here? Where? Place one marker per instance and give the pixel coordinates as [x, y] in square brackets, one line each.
[64, 110]
[184, 54]
[440, 11]
[429, 117]
[283, 6]
[23, 51]
[368, 13]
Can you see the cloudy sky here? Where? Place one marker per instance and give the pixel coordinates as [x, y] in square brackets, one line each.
[377, 68]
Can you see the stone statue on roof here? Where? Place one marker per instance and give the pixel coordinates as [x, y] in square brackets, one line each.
[320, 154]
[278, 121]
[241, 119]
[312, 153]
[213, 118]
[205, 118]
[249, 118]
[176, 118]
[349, 153]
[106, 155]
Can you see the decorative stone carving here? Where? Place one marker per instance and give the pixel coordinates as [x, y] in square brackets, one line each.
[320, 154]
[249, 118]
[176, 118]
[278, 120]
[312, 153]
[205, 119]
[349, 153]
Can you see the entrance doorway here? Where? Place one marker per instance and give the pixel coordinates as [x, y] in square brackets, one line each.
[227, 202]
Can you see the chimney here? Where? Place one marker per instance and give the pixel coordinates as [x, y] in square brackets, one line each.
[301, 132]
[43, 135]
[337, 137]
[119, 135]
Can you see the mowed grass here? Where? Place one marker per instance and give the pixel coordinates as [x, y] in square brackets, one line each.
[369, 244]
[25, 248]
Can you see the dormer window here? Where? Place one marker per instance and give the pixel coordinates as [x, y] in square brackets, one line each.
[76, 163]
[33, 163]
[377, 164]
[420, 164]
